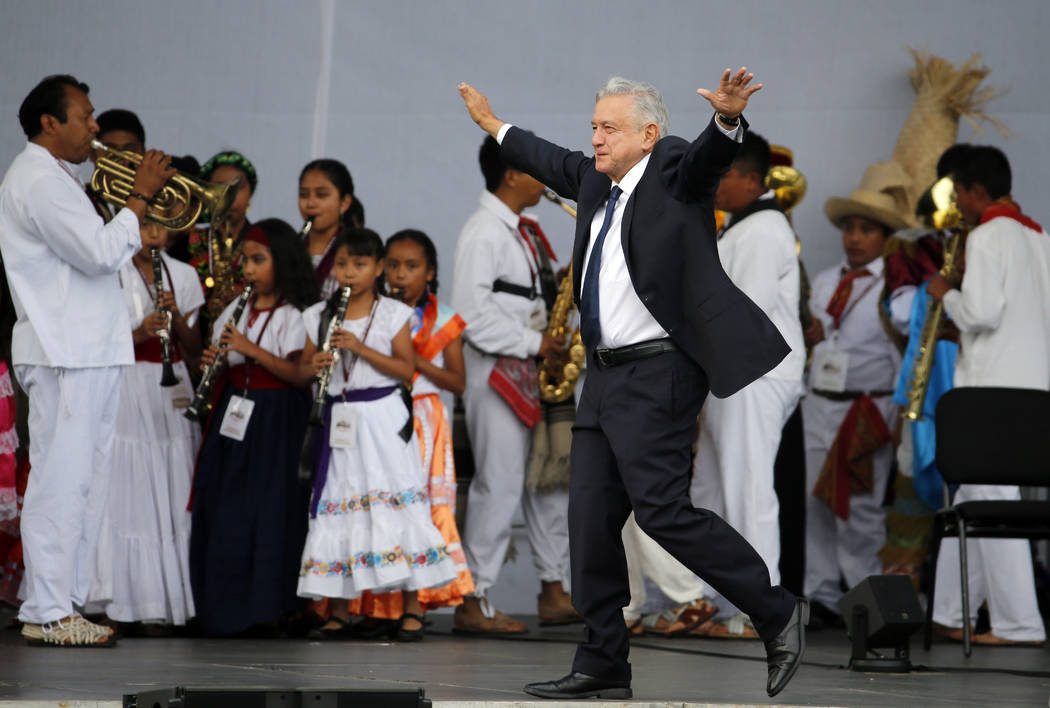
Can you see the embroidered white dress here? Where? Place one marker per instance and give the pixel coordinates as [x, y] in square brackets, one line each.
[372, 529]
[143, 554]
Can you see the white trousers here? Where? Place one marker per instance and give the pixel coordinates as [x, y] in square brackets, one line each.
[647, 559]
[733, 469]
[72, 418]
[501, 444]
[1000, 572]
[835, 548]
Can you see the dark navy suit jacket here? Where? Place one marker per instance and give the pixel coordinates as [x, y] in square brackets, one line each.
[668, 236]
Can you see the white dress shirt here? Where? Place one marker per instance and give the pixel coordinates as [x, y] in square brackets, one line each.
[758, 255]
[491, 248]
[873, 359]
[624, 319]
[62, 264]
[1003, 308]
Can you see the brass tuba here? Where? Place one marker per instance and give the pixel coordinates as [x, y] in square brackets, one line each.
[945, 216]
[178, 204]
[557, 380]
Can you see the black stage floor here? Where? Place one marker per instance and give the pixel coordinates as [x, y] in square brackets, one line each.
[461, 672]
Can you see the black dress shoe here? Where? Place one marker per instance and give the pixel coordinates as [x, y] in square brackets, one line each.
[577, 685]
[784, 652]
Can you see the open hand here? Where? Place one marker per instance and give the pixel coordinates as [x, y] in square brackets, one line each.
[733, 92]
[479, 109]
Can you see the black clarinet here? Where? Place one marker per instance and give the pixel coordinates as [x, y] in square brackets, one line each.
[167, 376]
[202, 399]
[325, 377]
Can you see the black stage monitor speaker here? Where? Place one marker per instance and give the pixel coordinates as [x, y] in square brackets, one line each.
[882, 611]
[182, 697]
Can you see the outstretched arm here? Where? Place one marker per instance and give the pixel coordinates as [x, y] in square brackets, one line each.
[558, 168]
[711, 154]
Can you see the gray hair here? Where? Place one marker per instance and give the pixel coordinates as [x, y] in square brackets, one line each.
[648, 103]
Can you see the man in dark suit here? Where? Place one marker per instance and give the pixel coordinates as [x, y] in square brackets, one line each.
[663, 324]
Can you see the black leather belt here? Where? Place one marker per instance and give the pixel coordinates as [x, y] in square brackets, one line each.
[850, 395]
[633, 352]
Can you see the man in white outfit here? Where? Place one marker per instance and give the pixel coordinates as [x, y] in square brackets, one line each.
[848, 411]
[740, 435]
[1002, 311]
[496, 290]
[71, 337]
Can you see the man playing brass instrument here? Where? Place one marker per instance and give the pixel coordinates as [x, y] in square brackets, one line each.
[1002, 310]
[71, 337]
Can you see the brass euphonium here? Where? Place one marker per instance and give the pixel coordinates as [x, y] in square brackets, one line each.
[946, 216]
[177, 205]
[557, 379]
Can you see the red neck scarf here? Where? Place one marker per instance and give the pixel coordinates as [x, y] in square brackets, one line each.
[1011, 210]
[840, 298]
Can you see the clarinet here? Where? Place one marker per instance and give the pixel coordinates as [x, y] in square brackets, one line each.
[325, 377]
[202, 398]
[305, 231]
[167, 377]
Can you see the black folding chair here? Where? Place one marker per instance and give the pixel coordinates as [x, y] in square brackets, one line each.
[989, 436]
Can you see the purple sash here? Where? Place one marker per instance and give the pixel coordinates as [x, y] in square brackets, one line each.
[322, 451]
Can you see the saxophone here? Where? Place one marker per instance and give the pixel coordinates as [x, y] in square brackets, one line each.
[558, 380]
[325, 377]
[946, 216]
[202, 397]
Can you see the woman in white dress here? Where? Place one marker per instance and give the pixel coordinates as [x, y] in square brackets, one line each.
[143, 557]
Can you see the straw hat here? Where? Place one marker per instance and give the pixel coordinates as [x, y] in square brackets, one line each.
[882, 197]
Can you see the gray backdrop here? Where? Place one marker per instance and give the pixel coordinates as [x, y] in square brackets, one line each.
[374, 85]
[251, 74]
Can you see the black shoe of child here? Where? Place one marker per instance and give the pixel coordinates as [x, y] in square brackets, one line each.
[324, 633]
[373, 628]
[410, 635]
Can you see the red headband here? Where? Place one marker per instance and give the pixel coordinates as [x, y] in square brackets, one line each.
[257, 235]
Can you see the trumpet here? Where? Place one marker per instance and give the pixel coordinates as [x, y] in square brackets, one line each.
[202, 397]
[179, 203]
[167, 377]
[557, 385]
[325, 377]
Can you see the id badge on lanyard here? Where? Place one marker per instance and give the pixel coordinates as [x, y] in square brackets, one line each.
[830, 366]
[239, 411]
[343, 432]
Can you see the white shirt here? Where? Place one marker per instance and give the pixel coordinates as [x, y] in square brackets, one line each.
[873, 359]
[284, 335]
[62, 264]
[490, 248]
[1003, 308]
[623, 318]
[390, 316]
[758, 255]
[179, 278]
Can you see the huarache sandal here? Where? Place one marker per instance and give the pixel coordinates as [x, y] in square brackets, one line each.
[679, 620]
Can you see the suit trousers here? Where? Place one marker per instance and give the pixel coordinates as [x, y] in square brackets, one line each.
[646, 559]
[631, 450]
[72, 421]
[733, 469]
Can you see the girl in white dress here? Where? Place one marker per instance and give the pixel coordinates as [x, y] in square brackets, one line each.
[143, 555]
[370, 524]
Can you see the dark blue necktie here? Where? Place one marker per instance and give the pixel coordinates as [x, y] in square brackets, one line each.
[590, 324]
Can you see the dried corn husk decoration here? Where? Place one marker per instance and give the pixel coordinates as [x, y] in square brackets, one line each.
[943, 95]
